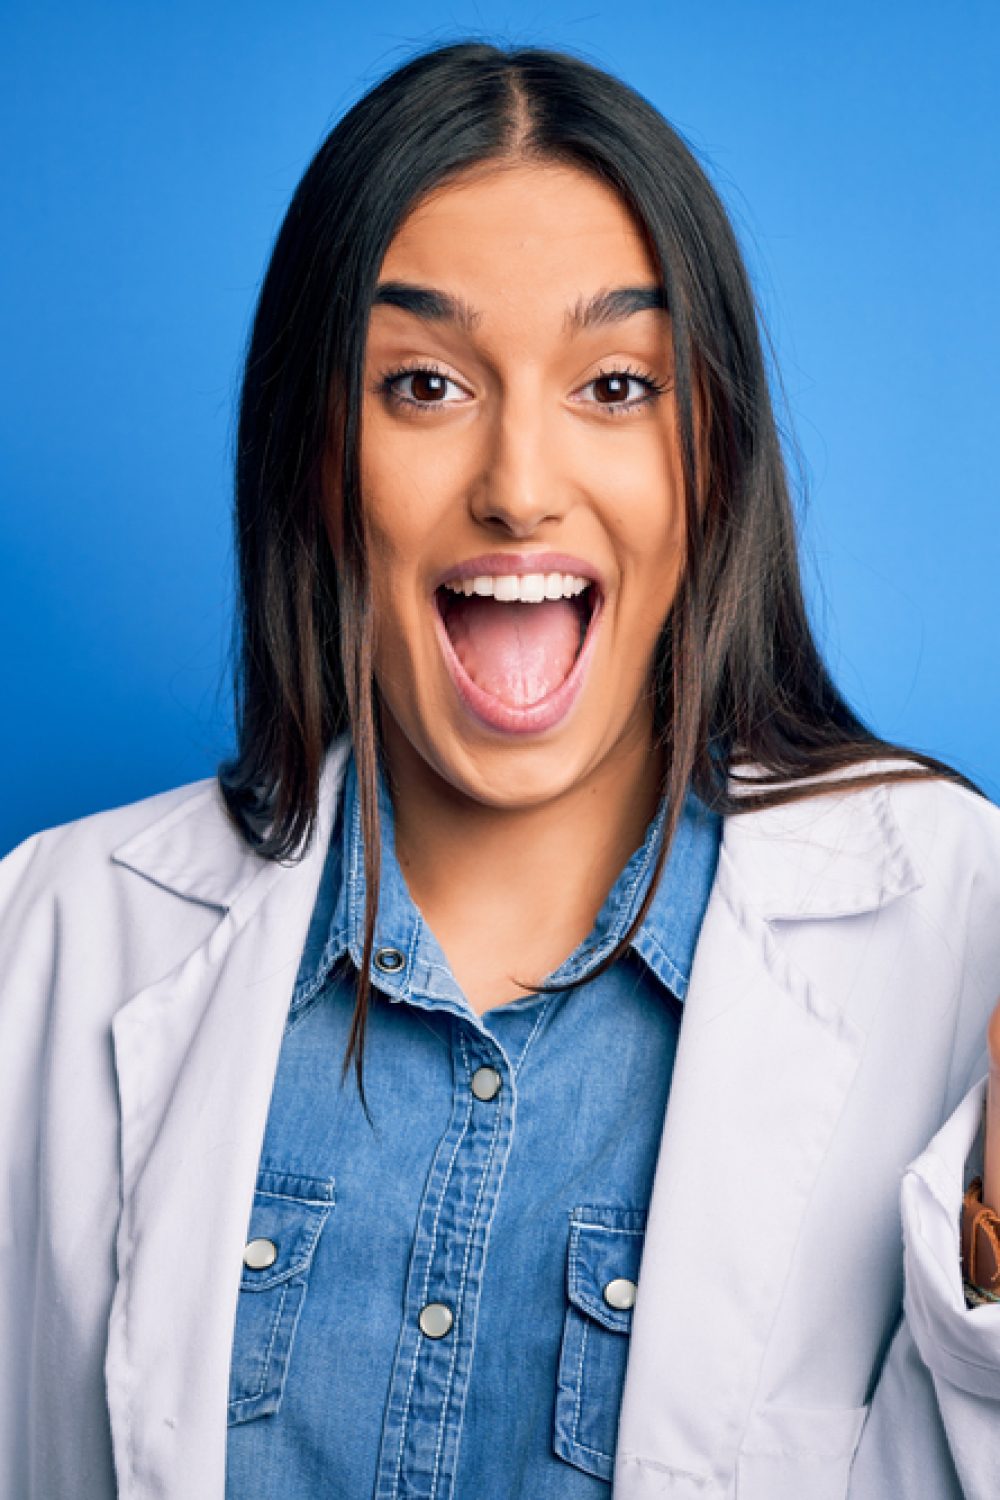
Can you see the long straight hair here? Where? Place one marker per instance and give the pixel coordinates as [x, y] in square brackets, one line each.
[736, 667]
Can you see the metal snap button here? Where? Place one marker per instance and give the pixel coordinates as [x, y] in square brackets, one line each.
[259, 1254]
[389, 960]
[486, 1083]
[620, 1294]
[436, 1319]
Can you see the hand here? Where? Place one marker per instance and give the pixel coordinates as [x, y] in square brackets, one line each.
[987, 1263]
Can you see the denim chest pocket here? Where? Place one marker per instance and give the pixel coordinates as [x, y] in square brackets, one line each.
[286, 1221]
[602, 1269]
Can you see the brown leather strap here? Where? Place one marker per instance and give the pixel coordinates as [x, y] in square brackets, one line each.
[980, 1239]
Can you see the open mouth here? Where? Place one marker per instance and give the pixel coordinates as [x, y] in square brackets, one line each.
[514, 642]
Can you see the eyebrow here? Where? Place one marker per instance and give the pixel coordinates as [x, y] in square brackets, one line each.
[603, 307]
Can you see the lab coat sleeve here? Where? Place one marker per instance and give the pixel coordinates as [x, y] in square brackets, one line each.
[26, 961]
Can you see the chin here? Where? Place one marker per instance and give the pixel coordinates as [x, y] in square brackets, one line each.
[508, 775]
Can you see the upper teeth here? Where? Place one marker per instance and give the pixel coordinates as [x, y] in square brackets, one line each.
[525, 588]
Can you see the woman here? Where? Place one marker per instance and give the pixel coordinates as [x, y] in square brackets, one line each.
[536, 756]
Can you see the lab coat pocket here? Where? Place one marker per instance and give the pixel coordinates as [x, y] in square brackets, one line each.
[789, 1452]
[287, 1219]
[605, 1247]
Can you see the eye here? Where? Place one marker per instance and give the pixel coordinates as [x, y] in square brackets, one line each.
[419, 387]
[619, 391]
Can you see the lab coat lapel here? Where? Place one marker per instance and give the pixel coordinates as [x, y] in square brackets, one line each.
[764, 1065]
[195, 1056]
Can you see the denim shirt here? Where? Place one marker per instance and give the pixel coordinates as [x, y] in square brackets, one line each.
[438, 1303]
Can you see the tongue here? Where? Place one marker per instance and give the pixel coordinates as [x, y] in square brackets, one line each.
[518, 653]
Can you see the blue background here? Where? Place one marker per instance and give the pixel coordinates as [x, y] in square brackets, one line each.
[148, 152]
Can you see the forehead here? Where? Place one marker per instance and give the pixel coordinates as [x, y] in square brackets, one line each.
[522, 242]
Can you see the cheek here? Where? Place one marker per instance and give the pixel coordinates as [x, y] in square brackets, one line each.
[396, 532]
[393, 526]
[647, 523]
[409, 489]
[662, 568]
[397, 627]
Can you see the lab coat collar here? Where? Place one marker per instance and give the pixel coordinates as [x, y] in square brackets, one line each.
[836, 855]
[195, 850]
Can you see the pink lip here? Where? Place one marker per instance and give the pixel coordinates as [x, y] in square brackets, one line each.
[553, 708]
[497, 563]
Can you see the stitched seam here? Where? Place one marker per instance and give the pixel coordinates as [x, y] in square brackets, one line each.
[427, 1271]
[604, 1228]
[542, 1013]
[483, 1177]
[325, 1203]
[266, 1361]
[578, 1404]
[486, 1240]
[902, 862]
[335, 948]
[677, 978]
[595, 1452]
[406, 987]
[579, 1386]
[638, 1462]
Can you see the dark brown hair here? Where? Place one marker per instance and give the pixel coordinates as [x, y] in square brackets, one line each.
[739, 681]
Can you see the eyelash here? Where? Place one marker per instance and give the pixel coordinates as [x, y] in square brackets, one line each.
[386, 387]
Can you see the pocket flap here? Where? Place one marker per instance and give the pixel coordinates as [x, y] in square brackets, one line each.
[289, 1211]
[605, 1246]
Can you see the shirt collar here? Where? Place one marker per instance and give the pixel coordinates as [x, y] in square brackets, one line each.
[665, 940]
[668, 934]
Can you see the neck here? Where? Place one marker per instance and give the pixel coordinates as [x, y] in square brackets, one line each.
[495, 870]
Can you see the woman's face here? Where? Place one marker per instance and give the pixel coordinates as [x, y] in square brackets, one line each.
[521, 482]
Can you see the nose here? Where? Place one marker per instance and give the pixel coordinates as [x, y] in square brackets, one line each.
[519, 488]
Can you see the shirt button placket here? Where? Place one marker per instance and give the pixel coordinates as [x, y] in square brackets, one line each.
[428, 1393]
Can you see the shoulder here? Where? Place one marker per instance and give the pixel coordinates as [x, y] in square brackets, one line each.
[96, 909]
[950, 837]
[889, 895]
[953, 837]
[920, 807]
[945, 823]
[79, 846]
[181, 840]
[845, 848]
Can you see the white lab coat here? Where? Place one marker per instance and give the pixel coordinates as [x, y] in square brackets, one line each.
[824, 1115]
